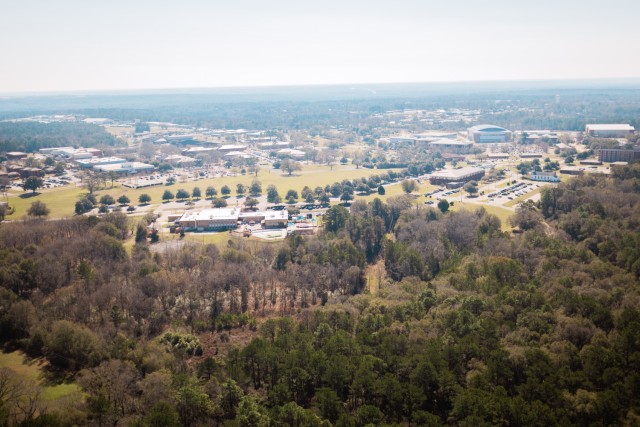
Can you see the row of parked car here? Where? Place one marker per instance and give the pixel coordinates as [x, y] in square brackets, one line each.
[515, 190]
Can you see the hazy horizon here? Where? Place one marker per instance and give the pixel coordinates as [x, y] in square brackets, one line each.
[473, 86]
[75, 46]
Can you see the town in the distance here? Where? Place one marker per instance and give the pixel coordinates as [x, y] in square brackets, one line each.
[267, 183]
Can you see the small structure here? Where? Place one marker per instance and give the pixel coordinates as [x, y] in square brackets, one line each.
[544, 177]
[571, 171]
[531, 155]
[497, 155]
[16, 155]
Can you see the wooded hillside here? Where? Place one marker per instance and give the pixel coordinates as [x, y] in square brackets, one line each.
[470, 325]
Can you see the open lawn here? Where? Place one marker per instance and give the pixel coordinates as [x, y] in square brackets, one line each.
[61, 201]
[32, 370]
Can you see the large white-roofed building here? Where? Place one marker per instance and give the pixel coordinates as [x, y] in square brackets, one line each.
[488, 134]
[210, 219]
[99, 161]
[228, 218]
[125, 168]
[456, 177]
[609, 130]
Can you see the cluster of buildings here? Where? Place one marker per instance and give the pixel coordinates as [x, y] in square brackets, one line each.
[229, 218]
[92, 158]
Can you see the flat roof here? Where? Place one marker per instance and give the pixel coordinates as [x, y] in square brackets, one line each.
[101, 160]
[613, 126]
[124, 166]
[211, 214]
[457, 173]
[444, 141]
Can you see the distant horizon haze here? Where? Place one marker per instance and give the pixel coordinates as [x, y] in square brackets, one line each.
[371, 87]
[74, 45]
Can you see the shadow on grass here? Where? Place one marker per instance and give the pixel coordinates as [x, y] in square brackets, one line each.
[28, 195]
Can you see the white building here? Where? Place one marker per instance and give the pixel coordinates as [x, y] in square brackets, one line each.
[99, 161]
[545, 176]
[228, 218]
[609, 130]
[125, 168]
[210, 219]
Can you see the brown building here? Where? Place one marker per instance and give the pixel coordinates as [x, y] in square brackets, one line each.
[611, 155]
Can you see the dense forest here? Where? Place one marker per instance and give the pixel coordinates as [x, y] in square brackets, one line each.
[467, 324]
[32, 136]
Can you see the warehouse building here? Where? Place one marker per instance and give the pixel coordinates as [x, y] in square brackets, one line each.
[609, 130]
[456, 177]
[483, 134]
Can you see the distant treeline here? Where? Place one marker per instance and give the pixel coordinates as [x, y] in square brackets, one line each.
[32, 136]
[564, 108]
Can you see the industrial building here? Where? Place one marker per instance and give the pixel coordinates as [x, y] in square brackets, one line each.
[488, 134]
[228, 218]
[611, 155]
[456, 177]
[609, 130]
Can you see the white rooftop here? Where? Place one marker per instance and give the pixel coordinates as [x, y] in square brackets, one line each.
[457, 173]
[210, 214]
[614, 126]
[101, 160]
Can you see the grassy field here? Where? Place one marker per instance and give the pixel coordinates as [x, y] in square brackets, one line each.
[32, 370]
[61, 201]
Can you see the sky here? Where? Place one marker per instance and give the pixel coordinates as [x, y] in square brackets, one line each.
[85, 45]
